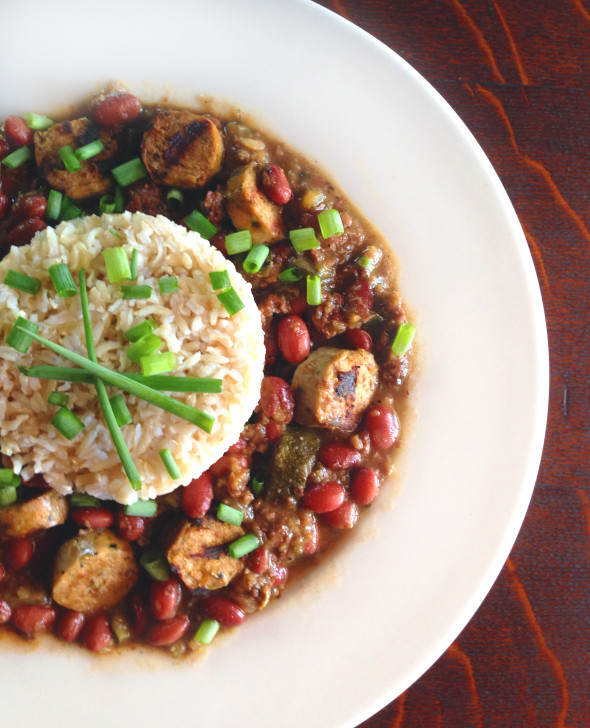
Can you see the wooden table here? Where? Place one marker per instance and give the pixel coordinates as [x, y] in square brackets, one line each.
[518, 74]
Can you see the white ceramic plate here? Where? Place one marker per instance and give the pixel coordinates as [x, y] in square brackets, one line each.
[366, 625]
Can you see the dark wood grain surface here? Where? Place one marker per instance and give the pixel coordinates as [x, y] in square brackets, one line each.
[518, 73]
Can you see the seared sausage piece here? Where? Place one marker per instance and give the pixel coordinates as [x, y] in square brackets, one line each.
[182, 149]
[333, 387]
[250, 209]
[94, 178]
[195, 556]
[93, 571]
[45, 511]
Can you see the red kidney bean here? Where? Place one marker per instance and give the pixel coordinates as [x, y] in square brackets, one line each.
[23, 233]
[69, 625]
[364, 486]
[5, 612]
[165, 597]
[258, 560]
[323, 497]
[167, 631]
[93, 517]
[218, 241]
[4, 205]
[115, 108]
[383, 427]
[4, 148]
[17, 553]
[293, 338]
[97, 633]
[2, 571]
[345, 516]
[130, 527]
[274, 430]
[139, 618]
[280, 574]
[226, 612]
[29, 206]
[338, 455]
[197, 496]
[17, 131]
[358, 339]
[276, 185]
[33, 618]
[276, 399]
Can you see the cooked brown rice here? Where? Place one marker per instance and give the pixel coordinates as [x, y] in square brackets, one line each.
[192, 323]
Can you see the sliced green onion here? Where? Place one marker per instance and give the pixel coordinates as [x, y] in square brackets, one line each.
[83, 500]
[170, 464]
[243, 546]
[238, 242]
[145, 508]
[403, 339]
[68, 157]
[69, 211]
[8, 495]
[116, 233]
[129, 172]
[122, 414]
[155, 564]
[59, 374]
[198, 418]
[137, 332]
[199, 223]
[117, 264]
[219, 279]
[62, 280]
[230, 301]
[119, 199]
[303, 239]
[148, 344]
[6, 476]
[38, 121]
[129, 293]
[257, 484]
[66, 422]
[89, 150]
[16, 480]
[103, 398]
[107, 205]
[255, 258]
[19, 336]
[207, 631]
[176, 195]
[22, 282]
[133, 264]
[330, 223]
[365, 262]
[227, 514]
[60, 399]
[54, 202]
[314, 290]
[168, 284]
[18, 157]
[157, 364]
[290, 275]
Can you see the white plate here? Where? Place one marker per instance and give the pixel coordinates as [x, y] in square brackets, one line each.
[369, 623]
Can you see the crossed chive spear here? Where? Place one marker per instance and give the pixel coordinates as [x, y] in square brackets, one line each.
[102, 376]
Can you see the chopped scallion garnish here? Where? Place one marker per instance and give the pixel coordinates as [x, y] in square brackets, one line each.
[60, 399]
[330, 223]
[157, 364]
[68, 157]
[290, 275]
[365, 262]
[168, 284]
[199, 223]
[66, 422]
[155, 564]
[137, 332]
[219, 279]
[107, 205]
[18, 157]
[257, 484]
[170, 464]
[130, 172]
[133, 264]
[8, 495]
[128, 293]
[18, 337]
[175, 195]
[117, 264]
[230, 301]
[229, 515]
[120, 410]
[119, 199]
[403, 339]
[54, 202]
[148, 344]
[255, 258]
[38, 121]
[6, 476]
[89, 150]
[314, 290]
[116, 233]
[22, 282]
[207, 631]
[83, 500]
[244, 545]
[304, 239]
[62, 280]
[144, 508]
[238, 242]
[69, 211]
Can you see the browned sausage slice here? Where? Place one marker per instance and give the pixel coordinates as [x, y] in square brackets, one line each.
[94, 178]
[194, 554]
[94, 570]
[182, 149]
[250, 209]
[45, 511]
[333, 387]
